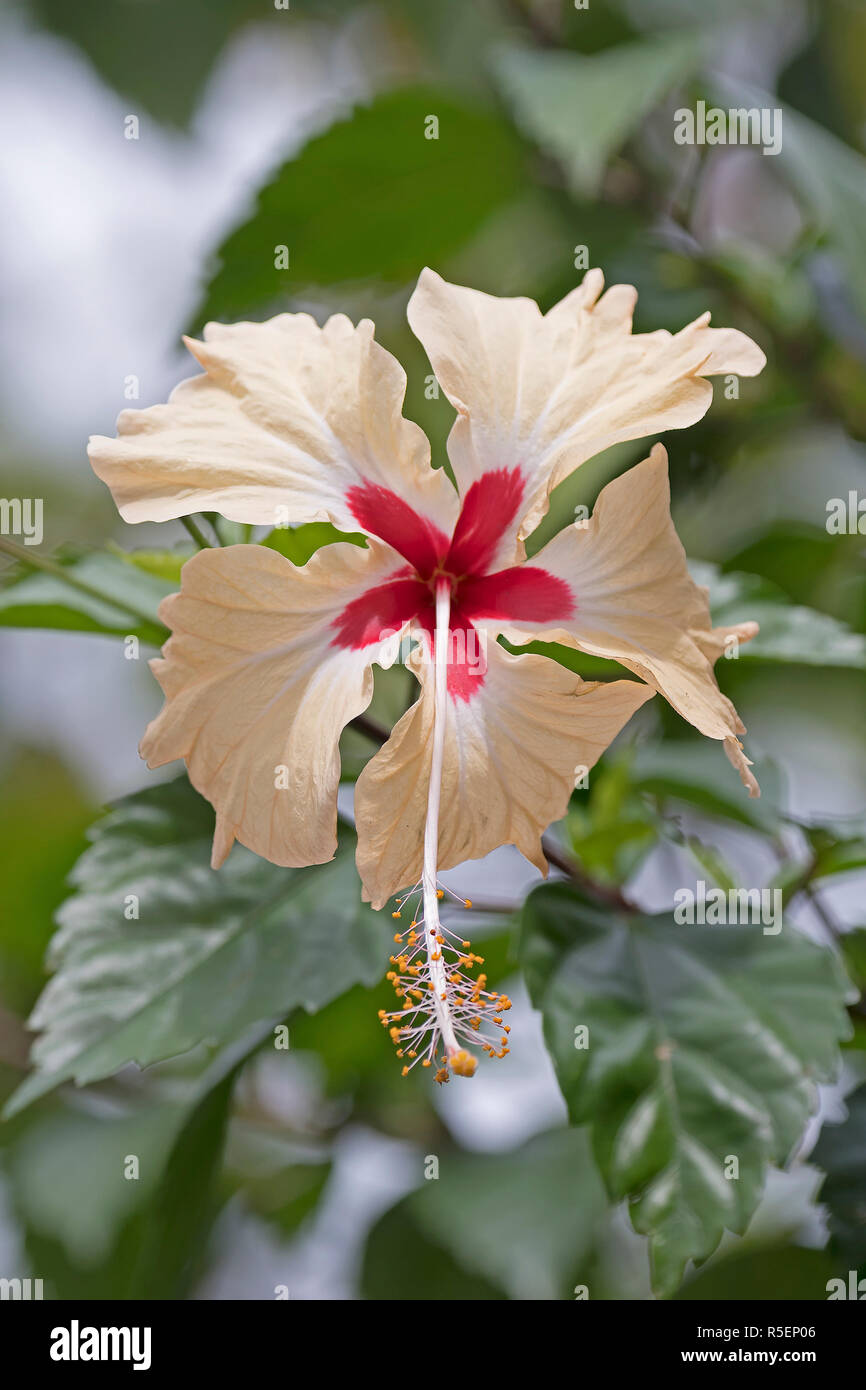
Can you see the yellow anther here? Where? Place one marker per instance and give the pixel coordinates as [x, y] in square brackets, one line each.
[395, 915]
[463, 1063]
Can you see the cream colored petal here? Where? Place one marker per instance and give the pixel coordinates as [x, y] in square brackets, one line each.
[720, 640]
[635, 602]
[287, 418]
[257, 693]
[543, 393]
[512, 751]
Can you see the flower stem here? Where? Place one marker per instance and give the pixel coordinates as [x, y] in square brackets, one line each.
[429, 886]
[41, 562]
[198, 535]
[214, 519]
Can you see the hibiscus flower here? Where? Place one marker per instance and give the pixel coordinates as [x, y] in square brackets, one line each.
[268, 662]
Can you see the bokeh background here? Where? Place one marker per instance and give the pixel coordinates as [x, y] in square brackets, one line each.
[258, 126]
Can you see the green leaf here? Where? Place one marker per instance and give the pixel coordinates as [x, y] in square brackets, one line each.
[582, 109]
[299, 543]
[211, 953]
[841, 1152]
[158, 54]
[853, 947]
[402, 1263]
[583, 664]
[165, 564]
[708, 858]
[44, 814]
[690, 770]
[704, 1043]
[118, 599]
[782, 1274]
[371, 198]
[174, 1234]
[280, 1179]
[829, 176]
[613, 830]
[524, 1222]
[839, 845]
[789, 632]
[91, 1229]
[66, 1172]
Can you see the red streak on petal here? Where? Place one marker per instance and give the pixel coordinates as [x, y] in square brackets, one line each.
[489, 508]
[380, 612]
[525, 593]
[467, 654]
[382, 513]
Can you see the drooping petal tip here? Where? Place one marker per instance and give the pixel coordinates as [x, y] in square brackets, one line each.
[737, 757]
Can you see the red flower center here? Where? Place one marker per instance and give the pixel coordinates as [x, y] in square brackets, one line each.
[524, 593]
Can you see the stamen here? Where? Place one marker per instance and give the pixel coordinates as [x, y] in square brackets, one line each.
[441, 1002]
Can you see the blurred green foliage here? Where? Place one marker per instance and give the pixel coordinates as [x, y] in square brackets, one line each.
[555, 134]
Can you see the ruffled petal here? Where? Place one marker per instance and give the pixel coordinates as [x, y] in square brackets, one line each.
[515, 739]
[634, 601]
[260, 677]
[536, 395]
[290, 423]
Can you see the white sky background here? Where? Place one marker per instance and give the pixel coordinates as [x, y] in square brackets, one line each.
[103, 239]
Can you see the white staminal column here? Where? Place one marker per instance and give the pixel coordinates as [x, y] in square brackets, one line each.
[431, 826]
